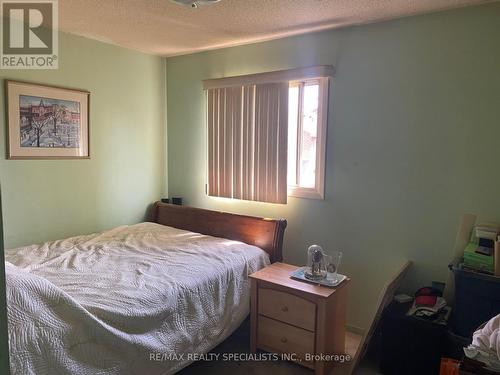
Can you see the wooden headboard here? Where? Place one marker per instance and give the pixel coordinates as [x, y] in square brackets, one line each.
[264, 233]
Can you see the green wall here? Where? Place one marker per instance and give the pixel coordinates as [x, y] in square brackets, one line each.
[413, 140]
[46, 200]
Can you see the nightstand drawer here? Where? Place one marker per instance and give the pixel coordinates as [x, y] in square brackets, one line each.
[287, 308]
[276, 336]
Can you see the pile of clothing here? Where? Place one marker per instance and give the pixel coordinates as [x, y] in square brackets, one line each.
[429, 304]
[485, 345]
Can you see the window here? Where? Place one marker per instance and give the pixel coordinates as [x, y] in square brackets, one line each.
[307, 119]
[266, 135]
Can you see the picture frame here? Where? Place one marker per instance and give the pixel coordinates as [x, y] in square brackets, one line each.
[46, 122]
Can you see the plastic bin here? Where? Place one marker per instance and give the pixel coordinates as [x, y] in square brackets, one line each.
[454, 345]
[477, 300]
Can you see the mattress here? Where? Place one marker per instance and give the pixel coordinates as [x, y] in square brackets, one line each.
[139, 299]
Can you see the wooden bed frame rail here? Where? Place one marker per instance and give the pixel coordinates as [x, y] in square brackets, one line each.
[264, 233]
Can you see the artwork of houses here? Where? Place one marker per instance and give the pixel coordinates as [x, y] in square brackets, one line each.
[47, 122]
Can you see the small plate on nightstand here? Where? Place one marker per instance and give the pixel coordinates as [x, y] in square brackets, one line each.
[299, 275]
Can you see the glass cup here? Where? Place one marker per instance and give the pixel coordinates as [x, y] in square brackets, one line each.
[332, 266]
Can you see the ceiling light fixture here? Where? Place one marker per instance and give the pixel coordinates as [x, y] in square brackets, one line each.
[195, 3]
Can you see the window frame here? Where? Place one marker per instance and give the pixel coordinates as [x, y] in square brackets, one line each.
[318, 191]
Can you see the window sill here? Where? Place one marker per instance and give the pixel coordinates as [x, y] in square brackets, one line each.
[301, 192]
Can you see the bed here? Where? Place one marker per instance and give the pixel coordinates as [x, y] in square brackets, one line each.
[138, 299]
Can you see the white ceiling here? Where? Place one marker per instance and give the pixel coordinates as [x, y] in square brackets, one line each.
[163, 28]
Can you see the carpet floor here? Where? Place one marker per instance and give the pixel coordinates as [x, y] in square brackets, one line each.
[239, 342]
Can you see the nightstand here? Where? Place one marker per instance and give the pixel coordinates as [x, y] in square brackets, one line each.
[290, 316]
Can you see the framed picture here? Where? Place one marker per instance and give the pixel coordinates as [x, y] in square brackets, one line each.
[47, 122]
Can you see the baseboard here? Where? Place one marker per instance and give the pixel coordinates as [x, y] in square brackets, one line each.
[356, 330]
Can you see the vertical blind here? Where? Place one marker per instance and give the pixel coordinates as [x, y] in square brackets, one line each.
[247, 141]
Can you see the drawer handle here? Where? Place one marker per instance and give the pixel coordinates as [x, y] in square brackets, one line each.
[284, 308]
[284, 340]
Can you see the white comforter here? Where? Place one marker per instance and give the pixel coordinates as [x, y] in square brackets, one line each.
[123, 301]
